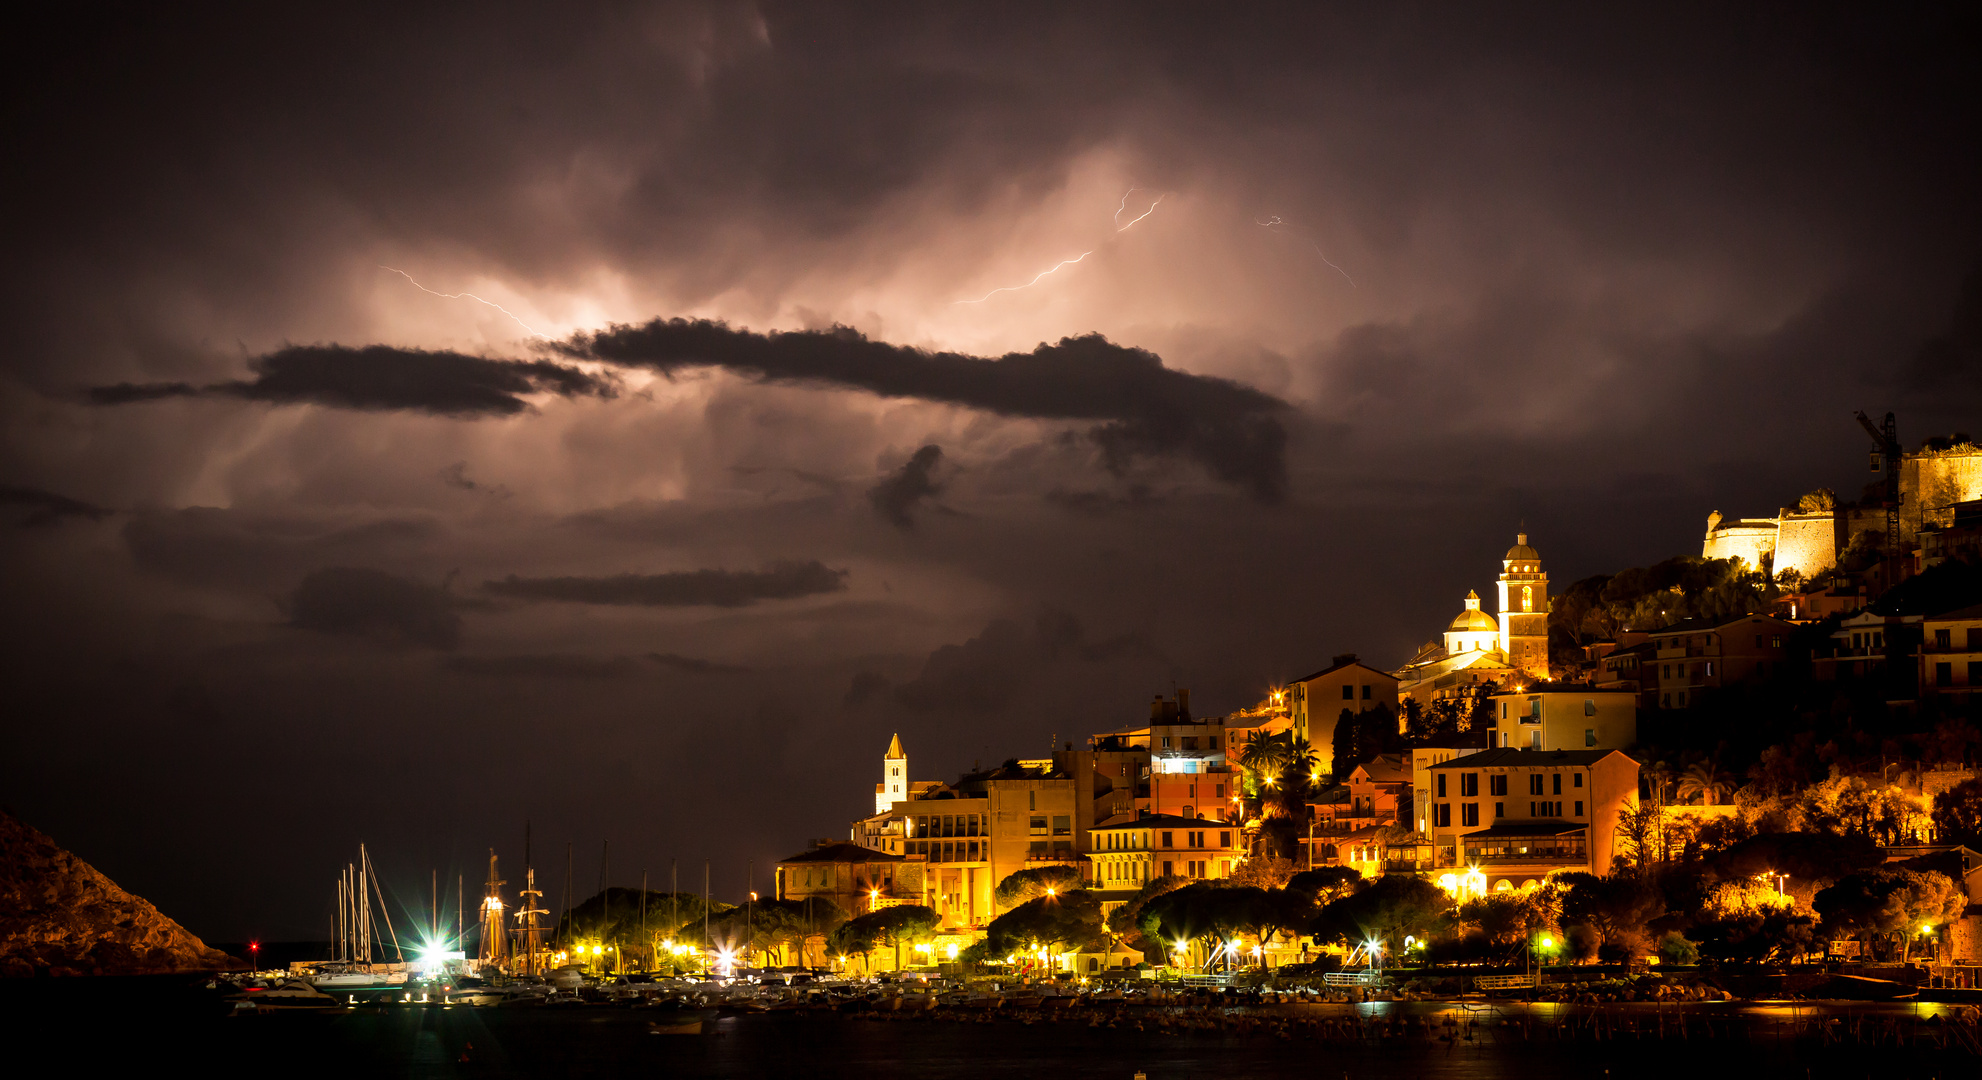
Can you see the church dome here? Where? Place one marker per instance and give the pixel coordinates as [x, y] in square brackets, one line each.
[1473, 619]
[1521, 551]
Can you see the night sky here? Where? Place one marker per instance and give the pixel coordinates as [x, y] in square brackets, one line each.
[762, 437]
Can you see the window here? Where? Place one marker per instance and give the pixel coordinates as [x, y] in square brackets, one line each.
[1168, 842]
[1589, 706]
[1558, 784]
[1761, 641]
[1032, 797]
[1589, 738]
[1469, 783]
[1063, 825]
[1348, 692]
[1212, 742]
[1666, 673]
[1578, 780]
[1038, 825]
[1366, 692]
[1189, 811]
[1469, 813]
[1503, 738]
[1166, 742]
[1499, 810]
[1497, 784]
[1221, 790]
[1503, 710]
[1775, 641]
[1579, 808]
[1710, 669]
[1197, 839]
[1441, 785]
[1535, 739]
[1441, 815]
[1190, 742]
[1167, 868]
[1535, 784]
[1224, 839]
[1943, 674]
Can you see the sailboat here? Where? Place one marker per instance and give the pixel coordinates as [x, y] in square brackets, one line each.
[356, 966]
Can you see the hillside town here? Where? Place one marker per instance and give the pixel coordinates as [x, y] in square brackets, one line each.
[1763, 752]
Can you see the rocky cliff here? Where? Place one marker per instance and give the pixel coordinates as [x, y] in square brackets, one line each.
[59, 916]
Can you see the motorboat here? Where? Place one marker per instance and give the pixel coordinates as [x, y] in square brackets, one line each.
[293, 995]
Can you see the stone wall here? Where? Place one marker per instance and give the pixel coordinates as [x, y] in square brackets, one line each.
[1931, 481]
[1806, 543]
[1752, 540]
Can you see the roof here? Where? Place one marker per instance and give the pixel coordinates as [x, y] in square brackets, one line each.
[1163, 821]
[1510, 757]
[1513, 829]
[1958, 615]
[895, 747]
[1385, 769]
[1473, 618]
[1699, 626]
[1521, 550]
[1347, 662]
[843, 852]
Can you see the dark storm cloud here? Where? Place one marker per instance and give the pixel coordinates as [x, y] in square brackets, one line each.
[46, 507]
[1951, 363]
[382, 378]
[684, 588]
[374, 604]
[897, 497]
[988, 672]
[578, 666]
[1228, 428]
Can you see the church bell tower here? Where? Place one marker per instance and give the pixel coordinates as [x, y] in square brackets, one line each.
[893, 787]
[1524, 609]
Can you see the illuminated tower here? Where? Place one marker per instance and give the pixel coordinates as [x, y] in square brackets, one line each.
[893, 787]
[1524, 609]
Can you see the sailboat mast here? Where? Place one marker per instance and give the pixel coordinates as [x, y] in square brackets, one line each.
[362, 904]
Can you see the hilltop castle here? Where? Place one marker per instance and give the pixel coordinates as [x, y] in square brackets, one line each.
[1478, 647]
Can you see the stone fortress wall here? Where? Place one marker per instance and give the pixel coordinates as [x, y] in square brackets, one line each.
[1932, 481]
[1929, 482]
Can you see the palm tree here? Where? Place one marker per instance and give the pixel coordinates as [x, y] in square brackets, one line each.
[1266, 756]
[1701, 782]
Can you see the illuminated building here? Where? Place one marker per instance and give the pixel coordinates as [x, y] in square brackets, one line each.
[1557, 716]
[1130, 852]
[1315, 702]
[1508, 649]
[1519, 814]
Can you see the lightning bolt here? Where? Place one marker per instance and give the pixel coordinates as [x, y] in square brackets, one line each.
[467, 296]
[1029, 284]
[1145, 213]
[1119, 228]
[1277, 222]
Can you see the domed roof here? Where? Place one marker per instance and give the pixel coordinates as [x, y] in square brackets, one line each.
[1473, 619]
[1521, 550]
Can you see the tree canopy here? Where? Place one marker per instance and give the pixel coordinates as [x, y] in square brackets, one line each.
[1060, 923]
[1023, 885]
[1389, 908]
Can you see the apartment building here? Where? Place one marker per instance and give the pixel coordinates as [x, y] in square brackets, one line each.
[1519, 814]
[1694, 658]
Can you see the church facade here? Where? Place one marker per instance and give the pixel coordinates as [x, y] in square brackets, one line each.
[1477, 648]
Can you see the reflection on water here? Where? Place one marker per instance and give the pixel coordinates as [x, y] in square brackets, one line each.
[100, 1026]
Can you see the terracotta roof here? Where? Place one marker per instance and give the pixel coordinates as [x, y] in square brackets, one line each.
[843, 853]
[1507, 757]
